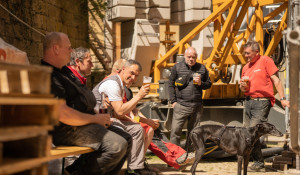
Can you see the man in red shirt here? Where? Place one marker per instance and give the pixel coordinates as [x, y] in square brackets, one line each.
[257, 80]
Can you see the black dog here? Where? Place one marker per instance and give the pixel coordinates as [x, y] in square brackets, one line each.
[233, 140]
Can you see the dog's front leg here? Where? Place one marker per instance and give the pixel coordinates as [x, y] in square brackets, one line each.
[246, 162]
[240, 161]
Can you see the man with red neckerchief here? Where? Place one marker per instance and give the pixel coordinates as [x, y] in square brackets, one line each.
[261, 73]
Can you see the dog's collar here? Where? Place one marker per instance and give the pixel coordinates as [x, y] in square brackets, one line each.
[221, 133]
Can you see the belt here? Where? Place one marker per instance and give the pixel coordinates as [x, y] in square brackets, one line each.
[257, 98]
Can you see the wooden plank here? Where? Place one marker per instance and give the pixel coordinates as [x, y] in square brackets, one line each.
[26, 148]
[22, 132]
[64, 151]
[17, 115]
[13, 165]
[21, 95]
[283, 160]
[27, 101]
[1, 153]
[288, 154]
[36, 68]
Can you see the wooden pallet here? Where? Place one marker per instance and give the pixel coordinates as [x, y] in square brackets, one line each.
[24, 79]
[286, 160]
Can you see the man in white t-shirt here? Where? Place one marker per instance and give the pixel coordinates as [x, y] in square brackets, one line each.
[113, 88]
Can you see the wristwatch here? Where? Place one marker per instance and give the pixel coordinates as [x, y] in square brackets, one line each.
[283, 98]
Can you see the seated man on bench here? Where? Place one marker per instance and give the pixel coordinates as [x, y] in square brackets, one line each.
[79, 125]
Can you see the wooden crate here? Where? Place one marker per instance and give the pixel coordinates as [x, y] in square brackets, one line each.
[24, 79]
[27, 113]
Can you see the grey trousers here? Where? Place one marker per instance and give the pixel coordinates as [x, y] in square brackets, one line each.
[111, 146]
[136, 157]
[180, 115]
[256, 112]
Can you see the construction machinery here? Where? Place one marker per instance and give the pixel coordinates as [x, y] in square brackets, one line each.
[234, 23]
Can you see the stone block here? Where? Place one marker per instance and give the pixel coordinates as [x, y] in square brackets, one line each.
[160, 3]
[141, 16]
[189, 16]
[121, 13]
[113, 3]
[159, 13]
[142, 10]
[182, 5]
[142, 4]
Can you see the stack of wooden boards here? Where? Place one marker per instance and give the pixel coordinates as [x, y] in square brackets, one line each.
[28, 112]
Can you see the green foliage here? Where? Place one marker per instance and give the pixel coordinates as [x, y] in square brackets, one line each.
[99, 7]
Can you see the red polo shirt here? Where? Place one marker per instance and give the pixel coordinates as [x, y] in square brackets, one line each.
[259, 74]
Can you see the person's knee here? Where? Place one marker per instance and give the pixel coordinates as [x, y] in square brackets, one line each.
[139, 130]
[118, 148]
[150, 133]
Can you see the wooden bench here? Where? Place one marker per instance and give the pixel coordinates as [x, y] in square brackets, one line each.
[65, 151]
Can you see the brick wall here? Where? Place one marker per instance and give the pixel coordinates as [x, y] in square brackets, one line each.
[68, 16]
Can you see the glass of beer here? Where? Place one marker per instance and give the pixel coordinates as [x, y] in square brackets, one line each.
[146, 80]
[195, 75]
[246, 80]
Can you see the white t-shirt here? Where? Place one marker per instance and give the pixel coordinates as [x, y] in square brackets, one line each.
[112, 90]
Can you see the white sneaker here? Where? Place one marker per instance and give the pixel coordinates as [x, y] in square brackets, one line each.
[182, 161]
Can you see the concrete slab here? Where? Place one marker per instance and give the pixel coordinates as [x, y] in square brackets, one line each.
[140, 42]
[141, 16]
[160, 13]
[142, 10]
[203, 42]
[160, 3]
[121, 13]
[189, 16]
[182, 5]
[142, 4]
[113, 3]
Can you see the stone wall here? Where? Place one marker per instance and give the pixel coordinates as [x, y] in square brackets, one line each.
[68, 16]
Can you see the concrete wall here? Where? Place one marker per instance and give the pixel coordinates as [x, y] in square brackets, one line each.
[44, 15]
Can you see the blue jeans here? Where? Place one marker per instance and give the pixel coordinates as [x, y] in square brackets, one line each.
[111, 147]
[256, 112]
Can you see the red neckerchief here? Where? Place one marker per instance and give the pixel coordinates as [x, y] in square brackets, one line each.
[77, 74]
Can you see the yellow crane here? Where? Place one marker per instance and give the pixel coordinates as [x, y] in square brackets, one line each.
[225, 54]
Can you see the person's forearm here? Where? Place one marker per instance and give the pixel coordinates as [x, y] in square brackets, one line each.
[73, 117]
[279, 89]
[125, 108]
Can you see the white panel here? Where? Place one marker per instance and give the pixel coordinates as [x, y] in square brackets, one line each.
[182, 5]
[121, 13]
[189, 16]
[113, 3]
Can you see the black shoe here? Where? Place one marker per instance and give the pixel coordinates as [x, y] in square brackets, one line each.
[139, 172]
[132, 172]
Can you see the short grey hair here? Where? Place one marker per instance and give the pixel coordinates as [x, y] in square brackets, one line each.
[79, 53]
[190, 48]
[128, 63]
[253, 44]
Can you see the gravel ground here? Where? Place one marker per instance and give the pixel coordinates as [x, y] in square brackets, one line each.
[225, 166]
[206, 167]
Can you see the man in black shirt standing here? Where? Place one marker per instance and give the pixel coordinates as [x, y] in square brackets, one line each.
[186, 93]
